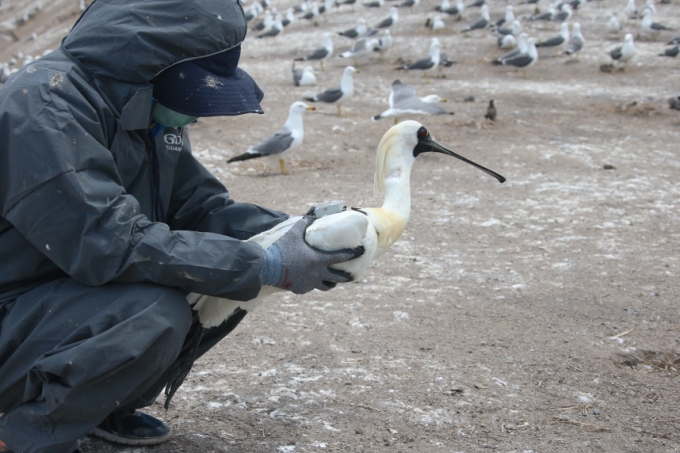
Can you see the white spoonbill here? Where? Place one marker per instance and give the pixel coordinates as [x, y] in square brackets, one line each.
[376, 229]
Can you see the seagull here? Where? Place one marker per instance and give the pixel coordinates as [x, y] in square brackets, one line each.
[403, 100]
[649, 5]
[508, 18]
[322, 53]
[522, 48]
[548, 15]
[338, 94]
[385, 42]
[564, 14]
[425, 64]
[523, 60]
[507, 41]
[670, 52]
[506, 36]
[312, 13]
[625, 52]
[303, 77]
[614, 26]
[265, 23]
[436, 23]
[360, 29]
[326, 6]
[576, 41]
[651, 27]
[290, 17]
[389, 21]
[631, 10]
[274, 30]
[514, 29]
[289, 137]
[482, 22]
[374, 229]
[361, 46]
[558, 40]
[452, 10]
[254, 11]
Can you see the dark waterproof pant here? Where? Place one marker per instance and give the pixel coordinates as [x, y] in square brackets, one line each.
[71, 354]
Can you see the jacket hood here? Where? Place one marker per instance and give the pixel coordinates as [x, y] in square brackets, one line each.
[133, 41]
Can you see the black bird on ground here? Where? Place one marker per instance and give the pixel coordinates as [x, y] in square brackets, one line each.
[491, 111]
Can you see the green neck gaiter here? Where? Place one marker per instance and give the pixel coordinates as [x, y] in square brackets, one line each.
[166, 117]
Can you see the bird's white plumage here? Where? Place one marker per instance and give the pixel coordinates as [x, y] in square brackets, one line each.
[374, 228]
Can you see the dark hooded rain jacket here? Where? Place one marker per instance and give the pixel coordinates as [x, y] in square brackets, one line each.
[79, 196]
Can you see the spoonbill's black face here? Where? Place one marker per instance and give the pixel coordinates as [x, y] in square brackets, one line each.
[427, 143]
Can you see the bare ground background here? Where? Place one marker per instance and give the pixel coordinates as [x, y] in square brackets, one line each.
[539, 315]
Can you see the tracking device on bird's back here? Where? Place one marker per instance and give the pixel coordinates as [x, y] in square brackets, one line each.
[327, 209]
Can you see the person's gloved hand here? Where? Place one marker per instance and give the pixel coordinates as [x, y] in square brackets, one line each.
[292, 264]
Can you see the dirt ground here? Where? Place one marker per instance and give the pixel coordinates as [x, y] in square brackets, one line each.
[540, 315]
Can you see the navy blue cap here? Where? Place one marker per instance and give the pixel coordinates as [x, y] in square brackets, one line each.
[209, 86]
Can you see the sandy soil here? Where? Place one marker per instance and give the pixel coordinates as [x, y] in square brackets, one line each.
[540, 315]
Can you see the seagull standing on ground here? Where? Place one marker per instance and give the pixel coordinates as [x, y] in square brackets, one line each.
[374, 229]
[576, 41]
[614, 26]
[403, 100]
[289, 137]
[303, 77]
[625, 52]
[651, 27]
[522, 60]
[564, 14]
[558, 40]
[435, 23]
[508, 18]
[522, 48]
[359, 30]
[322, 53]
[482, 22]
[426, 64]
[338, 94]
[385, 42]
[389, 21]
[361, 46]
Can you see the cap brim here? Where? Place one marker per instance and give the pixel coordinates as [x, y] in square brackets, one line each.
[189, 89]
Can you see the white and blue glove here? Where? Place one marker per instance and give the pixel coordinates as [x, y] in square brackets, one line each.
[292, 264]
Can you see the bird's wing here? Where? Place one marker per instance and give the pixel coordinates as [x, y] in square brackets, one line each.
[385, 23]
[297, 76]
[415, 105]
[346, 229]
[423, 63]
[318, 54]
[359, 45]
[400, 91]
[552, 42]
[351, 33]
[519, 61]
[481, 23]
[275, 143]
[616, 53]
[575, 44]
[330, 95]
